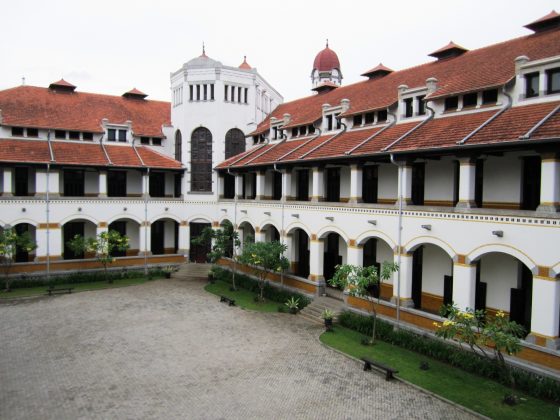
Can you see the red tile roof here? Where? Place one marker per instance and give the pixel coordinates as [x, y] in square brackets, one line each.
[245, 65]
[326, 60]
[552, 18]
[448, 49]
[380, 69]
[474, 70]
[83, 154]
[134, 93]
[30, 106]
[443, 132]
[62, 84]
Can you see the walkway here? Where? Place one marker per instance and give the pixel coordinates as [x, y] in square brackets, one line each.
[167, 349]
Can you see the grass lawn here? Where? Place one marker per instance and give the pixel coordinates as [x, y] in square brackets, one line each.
[479, 394]
[243, 298]
[78, 287]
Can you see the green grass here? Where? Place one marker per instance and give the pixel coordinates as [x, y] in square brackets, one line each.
[474, 392]
[243, 298]
[78, 287]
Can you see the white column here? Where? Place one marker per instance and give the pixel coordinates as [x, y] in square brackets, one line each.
[316, 251]
[467, 173]
[54, 238]
[260, 235]
[287, 194]
[405, 182]
[405, 273]
[145, 185]
[7, 190]
[221, 182]
[239, 185]
[545, 309]
[102, 184]
[184, 238]
[145, 239]
[288, 240]
[184, 184]
[41, 182]
[318, 185]
[355, 184]
[101, 228]
[464, 285]
[260, 187]
[241, 238]
[550, 184]
[355, 254]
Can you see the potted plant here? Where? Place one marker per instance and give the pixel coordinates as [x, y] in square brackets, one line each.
[168, 270]
[293, 305]
[328, 316]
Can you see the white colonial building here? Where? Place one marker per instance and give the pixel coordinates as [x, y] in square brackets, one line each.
[450, 168]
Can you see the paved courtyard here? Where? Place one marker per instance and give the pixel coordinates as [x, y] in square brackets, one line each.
[167, 349]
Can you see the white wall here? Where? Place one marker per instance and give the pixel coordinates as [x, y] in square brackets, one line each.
[388, 182]
[500, 272]
[435, 264]
[345, 182]
[502, 179]
[439, 181]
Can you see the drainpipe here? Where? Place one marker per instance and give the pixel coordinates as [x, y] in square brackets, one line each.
[146, 222]
[399, 239]
[282, 204]
[48, 206]
[234, 255]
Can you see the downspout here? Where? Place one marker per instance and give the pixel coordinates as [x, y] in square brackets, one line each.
[413, 129]
[374, 135]
[399, 239]
[282, 205]
[340, 133]
[48, 206]
[234, 226]
[147, 185]
[105, 150]
[489, 120]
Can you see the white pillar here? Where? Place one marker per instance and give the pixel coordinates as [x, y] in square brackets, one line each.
[355, 254]
[287, 185]
[7, 190]
[221, 182]
[54, 237]
[318, 185]
[316, 256]
[145, 239]
[405, 182]
[464, 285]
[550, 183]
[355, 184]
[102, 184]
[239, 185]
[288, 240]
[145, 185]
[545, 310]
[184, 238]
[241, 238]
[260, 235]
[405, 273]
[41, 182]
[101, 228]
[467, 172]
[260, 187]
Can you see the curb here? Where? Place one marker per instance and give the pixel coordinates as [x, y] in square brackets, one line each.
[419, 388]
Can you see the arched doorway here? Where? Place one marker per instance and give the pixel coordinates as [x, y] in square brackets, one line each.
[70, 229]
[271, 234]
[246, 233]
[199, 252]
[130, 229]
[201, 160]
[164, 237]
[298, 252]
[22, 255]
[334, 254]
[375, 252]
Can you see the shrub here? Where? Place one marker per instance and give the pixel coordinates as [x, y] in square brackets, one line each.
[270, 292]
[535, 385]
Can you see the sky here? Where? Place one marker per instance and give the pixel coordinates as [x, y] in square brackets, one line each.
[112, 46]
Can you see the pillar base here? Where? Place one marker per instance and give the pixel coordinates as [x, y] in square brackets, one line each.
[183, 251]
[549, 208]
[144, 253]
[355, 200]
[7, 194]
[466, 205]
[315, 199]
[405, 302]
[552, 343]
[101, 195]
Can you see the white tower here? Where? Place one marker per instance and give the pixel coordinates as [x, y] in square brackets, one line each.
[326, 68]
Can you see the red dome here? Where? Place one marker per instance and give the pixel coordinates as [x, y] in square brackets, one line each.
[326, 60]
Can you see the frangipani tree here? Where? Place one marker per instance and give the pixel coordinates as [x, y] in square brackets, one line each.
[103, 246]
[480, 333]
[10, 241]
[265, 258]
[362, 281]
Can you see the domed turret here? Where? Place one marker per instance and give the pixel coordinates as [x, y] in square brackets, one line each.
[326, 68]
[202, 61]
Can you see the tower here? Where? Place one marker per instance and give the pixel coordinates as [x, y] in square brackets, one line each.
[326, 68]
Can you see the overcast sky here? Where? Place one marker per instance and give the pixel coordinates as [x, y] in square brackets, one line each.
[111, 46]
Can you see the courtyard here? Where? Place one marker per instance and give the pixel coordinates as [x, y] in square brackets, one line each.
[168, 349]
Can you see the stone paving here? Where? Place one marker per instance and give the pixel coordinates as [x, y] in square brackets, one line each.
[167, 349]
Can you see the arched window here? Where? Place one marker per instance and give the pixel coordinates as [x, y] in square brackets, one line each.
[201, 160]
[235, 142]
[178, 146]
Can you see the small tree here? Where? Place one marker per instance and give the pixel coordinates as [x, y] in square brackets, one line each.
[103, 246]
[10, 242]
[265, 258]
[480, 333]
[225, 242]
[363, 282]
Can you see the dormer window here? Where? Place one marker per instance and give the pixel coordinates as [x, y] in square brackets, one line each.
[553, 81]
[451, 103]
[369, 118]
[87, 136]
[114, 134]
[74, 135]
[408, 107]
[490, 97]
[17, 131]
[338, 122]
[357, 120]
[294, 132]
[532, 85]
[470, 100]
[32, 132]
[144, 140]
[329, 123]
[381, 116]
[60, 134]
[421, 105]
